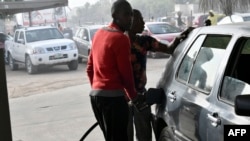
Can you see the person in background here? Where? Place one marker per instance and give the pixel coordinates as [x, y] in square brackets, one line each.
[60, 27]
[110, 74]
[212, 17]
[180, 23]
[140, 44]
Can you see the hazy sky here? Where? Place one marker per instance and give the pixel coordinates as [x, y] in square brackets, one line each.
[75, 3]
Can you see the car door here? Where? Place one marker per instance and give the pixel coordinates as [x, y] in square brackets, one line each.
[235, 81]
[86, 41]
[78, 40]
[189, 98]
[20, 47]
[13, 47]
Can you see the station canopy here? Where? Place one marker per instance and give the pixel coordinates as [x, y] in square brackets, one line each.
[10, 8]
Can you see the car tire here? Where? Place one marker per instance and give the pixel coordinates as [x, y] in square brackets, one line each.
[73, 65]
[166, 135]
[12, 63]
[30, 68]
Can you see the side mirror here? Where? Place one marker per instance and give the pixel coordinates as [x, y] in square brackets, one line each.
[242, 105]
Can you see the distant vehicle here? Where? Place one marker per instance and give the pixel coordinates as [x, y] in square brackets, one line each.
[199, 20]
[205, 86]
[239, 17]
[162, 31]
[35, 47]
[83, 39]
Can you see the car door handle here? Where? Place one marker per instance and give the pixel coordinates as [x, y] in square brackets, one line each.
[171, 96]
[214, 118]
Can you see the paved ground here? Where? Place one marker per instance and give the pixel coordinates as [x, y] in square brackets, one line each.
[62, 114]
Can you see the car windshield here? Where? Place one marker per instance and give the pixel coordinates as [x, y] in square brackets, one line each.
[43, 34]
[163, 28]
[247, 18]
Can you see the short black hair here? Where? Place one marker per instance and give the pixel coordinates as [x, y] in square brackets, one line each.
[117, 5]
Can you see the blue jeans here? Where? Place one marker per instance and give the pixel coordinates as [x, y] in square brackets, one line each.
[142, 123]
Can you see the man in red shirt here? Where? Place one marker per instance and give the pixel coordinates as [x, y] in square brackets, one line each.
[110, 74]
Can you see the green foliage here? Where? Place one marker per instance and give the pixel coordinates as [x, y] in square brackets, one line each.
[228, 6]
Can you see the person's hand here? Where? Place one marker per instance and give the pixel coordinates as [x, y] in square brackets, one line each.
[185, 33]
[139, 102]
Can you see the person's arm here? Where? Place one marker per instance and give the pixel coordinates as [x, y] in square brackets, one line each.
[90, 69]
[169, 49]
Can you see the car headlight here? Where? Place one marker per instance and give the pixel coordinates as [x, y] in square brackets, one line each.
[38, 50]
[72, 46]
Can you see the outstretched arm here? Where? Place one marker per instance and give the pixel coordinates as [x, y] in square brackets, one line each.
[160, 47]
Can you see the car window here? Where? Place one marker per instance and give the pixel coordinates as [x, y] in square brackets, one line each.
[237, 82]
[162, 28]
[43, 34]
[16, 36]
[80, 33]
[246, 18]
[86, 35]
[199, 66]
[21, 35]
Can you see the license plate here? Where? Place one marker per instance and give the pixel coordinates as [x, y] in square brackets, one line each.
[58, 55]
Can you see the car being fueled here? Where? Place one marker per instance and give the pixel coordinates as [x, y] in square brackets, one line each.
[205, 87]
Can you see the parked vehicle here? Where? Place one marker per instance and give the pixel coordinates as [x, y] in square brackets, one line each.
[162, 31]
[199, 20]
[205, 85]
[35, 47]
[238, 17]
[83, 39]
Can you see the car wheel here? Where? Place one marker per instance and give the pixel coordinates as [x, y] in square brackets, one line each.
[73, 65]
[31, 69]
[12, 63]
[166, 135]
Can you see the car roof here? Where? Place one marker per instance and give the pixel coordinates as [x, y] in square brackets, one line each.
[156, 23]
[242, 14]
[231, 28]
[92, 26]
[35, 27]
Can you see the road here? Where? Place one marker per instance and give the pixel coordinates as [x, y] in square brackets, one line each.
[20, 83]
[54, 104]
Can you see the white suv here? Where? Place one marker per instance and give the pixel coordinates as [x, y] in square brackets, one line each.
[41, 46]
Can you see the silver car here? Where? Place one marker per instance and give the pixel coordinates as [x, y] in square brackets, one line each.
[83, 39]
[205, 85]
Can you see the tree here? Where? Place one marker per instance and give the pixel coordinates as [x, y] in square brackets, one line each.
[227, 6]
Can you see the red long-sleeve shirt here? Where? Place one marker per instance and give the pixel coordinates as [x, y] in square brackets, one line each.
[109, 66]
